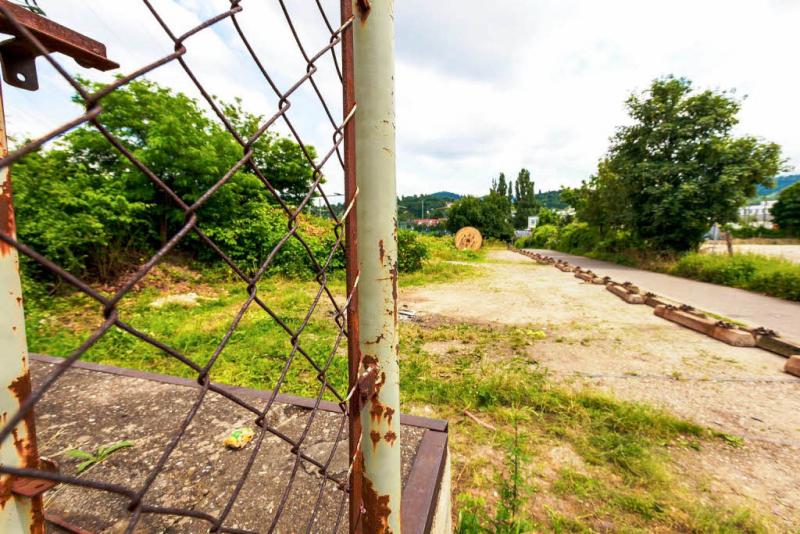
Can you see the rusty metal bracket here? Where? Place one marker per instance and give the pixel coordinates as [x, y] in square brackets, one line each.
[63, 524]
[19, 54]
[33, 487]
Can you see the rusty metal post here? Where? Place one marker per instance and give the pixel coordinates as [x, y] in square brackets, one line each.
[351, 255]
[17, 513]
[373, 33]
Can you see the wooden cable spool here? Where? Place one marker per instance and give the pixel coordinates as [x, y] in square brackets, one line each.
[468, 238]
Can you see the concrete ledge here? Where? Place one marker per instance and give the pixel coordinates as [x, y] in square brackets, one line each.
[587, 276]
[708, 326]
[104, 392]
[625, 294]
[774, 343]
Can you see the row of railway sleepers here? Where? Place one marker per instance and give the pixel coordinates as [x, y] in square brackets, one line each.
[685, 315]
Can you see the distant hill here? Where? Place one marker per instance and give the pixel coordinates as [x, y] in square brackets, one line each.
[447, 195]
[424, 206]
[781, 183]
[551, 199]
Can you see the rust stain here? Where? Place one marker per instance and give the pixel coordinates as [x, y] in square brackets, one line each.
[389, 414]
[7, 225]
[390, 438]
[377, 409]
[364, 7]
[366, 382]
[376, 520]
[382, 250]
[375, 436]
[26, 446]
[27, 451]
[393, 273]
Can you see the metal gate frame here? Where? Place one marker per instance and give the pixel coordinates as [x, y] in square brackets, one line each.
[371, 263]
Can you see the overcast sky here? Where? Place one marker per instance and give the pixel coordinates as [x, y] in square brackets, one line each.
[482, 87]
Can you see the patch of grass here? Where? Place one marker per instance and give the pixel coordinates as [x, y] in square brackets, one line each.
[485, 368]
[560, 523]
[627, 476]
[765, 274]
[445, 263]
[253, 356]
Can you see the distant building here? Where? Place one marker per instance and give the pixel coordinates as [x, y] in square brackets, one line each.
[757, 214]
[533, 221]
[428, 223]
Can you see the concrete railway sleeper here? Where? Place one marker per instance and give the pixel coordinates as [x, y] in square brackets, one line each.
[685, 315]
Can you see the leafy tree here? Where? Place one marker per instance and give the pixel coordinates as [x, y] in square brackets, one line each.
[411, 251]
[526, 199]
[500, 186]
[676, 169]
[548, 216]
[786, 210]
[466, 211]
[489, 214]
[495, 212]
[89, 208]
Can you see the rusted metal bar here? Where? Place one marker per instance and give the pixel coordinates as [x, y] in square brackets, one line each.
[19, 53]
[351, 256]
[18, 512]
[377, 256]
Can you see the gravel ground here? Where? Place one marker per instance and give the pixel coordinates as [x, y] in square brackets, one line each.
[595, 339]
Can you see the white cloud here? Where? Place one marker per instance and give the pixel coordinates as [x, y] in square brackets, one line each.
[565, 69]
[482, 87]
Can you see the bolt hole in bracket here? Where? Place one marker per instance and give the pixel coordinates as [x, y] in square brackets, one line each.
[18, 55]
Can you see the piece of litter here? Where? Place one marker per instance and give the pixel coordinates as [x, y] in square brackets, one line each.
[407, 313]
[239, 438]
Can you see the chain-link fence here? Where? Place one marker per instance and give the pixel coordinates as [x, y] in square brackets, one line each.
[22, 471]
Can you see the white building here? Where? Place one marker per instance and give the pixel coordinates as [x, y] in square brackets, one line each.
[757, 214]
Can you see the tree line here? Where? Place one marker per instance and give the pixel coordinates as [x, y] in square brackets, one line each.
[81, 203]
[669, 175]
[507, 207]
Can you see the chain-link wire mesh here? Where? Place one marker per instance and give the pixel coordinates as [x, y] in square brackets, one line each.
[137, 497]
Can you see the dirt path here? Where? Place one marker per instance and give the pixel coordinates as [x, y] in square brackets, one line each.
[594, 339]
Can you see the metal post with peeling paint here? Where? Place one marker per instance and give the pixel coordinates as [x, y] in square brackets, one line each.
[373, 34]
[17, 513]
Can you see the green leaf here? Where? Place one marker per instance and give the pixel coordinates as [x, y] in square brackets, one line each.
[77, 453]
[107, 450]
[83, 466]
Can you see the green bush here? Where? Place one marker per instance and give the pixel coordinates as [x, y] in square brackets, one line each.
[747, 232]
[522, 242]
[773, 276]
[787, 210]
[84, 206]
[544, 236]
[411, 251]
[577, 237]
[616, 241]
